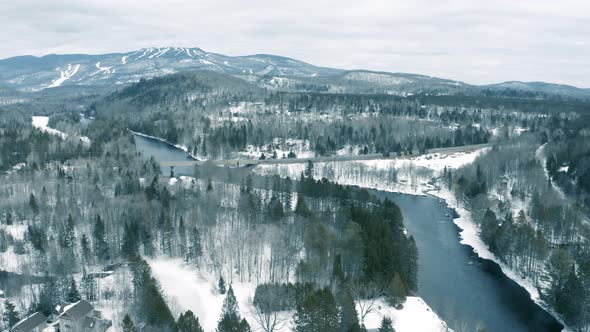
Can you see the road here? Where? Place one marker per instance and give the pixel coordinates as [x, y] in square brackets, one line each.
[254, 162]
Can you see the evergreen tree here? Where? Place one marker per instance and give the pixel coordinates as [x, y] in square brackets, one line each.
[396, 291]
[230, 320]
[337, 272]
[33, 204]
[85, 247]
[221, 285]
[8, 220]
[128, 325]
[386, 325]
[309, 170]
[187, 322]
[73, 294]
[301, 208]
[11, 315]
[47, 297]
[195, 249]
[101, 249]
[68, 237]
[569, 301]
[317, 312]
[348, 315]
[409, 268]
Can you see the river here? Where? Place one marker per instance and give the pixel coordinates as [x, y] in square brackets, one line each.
[463, 289]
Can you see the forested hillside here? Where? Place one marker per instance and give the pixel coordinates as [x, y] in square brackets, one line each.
[84, 215]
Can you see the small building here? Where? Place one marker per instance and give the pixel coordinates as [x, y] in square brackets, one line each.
[34, 323]
[81, 317]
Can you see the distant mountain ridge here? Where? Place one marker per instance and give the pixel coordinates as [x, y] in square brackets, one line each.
[30, 73]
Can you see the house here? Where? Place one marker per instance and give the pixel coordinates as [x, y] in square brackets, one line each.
[34, 323]
[81, 317]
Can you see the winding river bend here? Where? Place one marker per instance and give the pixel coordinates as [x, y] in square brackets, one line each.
[466, 291]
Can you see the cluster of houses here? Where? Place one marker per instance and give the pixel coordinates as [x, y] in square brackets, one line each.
[74, 317]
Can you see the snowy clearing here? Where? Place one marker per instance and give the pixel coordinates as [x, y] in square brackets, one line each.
[185, 288]
[40, 122]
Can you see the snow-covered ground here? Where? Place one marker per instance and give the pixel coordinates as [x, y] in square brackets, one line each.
[41, 122]
[405, 175]
[415, 316]
[64, 75]
[185, 288]
[282, 147]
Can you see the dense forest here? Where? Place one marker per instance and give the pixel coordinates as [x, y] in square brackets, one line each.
[71, 210]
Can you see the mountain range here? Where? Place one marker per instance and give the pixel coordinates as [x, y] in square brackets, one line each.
[109, 71]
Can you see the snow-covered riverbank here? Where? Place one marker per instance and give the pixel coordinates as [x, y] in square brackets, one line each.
[413, 176]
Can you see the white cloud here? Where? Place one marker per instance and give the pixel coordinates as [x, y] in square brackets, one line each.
[474, 41]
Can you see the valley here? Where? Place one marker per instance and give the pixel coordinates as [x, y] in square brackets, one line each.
[174, 187]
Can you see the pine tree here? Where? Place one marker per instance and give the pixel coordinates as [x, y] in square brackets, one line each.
[386, 325]
[47, 297]
[409, 268]
[33, 204]
[73, 294]
[101, 249]
[209, 185]
[11, 315]
[128, 325]
[301, 208]
[317, 312]
[230, 320]
[396, 291]
[348, 315]
[569, 300]
[309, 170]
[337, 272]
[187, 322]
[221, 285]
[68, 237]
[195, 250]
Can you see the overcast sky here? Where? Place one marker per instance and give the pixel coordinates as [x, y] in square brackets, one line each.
[473, 41]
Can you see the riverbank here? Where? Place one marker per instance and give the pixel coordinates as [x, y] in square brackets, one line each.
[469, 233]
[416, 176]
[178, 146]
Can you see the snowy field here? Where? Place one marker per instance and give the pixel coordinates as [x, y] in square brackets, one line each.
[41, 123]
[405, 175]
[185, 288]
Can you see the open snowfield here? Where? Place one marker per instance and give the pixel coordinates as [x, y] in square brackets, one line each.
[41, 123]
[185, 288]
[405, 175]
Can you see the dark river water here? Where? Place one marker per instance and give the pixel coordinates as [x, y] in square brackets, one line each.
[466, 291]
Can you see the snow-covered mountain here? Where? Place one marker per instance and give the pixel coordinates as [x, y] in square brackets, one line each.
[31, 73]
